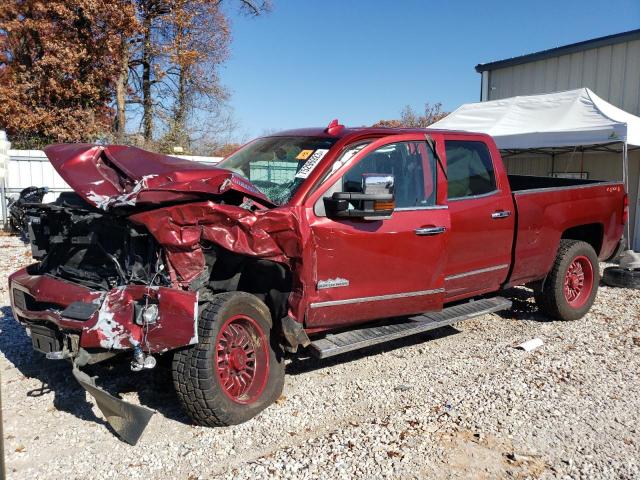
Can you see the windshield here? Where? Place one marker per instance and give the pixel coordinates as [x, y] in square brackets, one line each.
[277, 166]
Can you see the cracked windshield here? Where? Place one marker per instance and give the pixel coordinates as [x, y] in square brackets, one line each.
[277, 166]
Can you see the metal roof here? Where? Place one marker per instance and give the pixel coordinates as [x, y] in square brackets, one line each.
[564, 50]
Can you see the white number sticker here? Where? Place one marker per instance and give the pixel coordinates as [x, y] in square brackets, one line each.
[310, 164]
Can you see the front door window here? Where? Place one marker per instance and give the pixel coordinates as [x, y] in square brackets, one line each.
[413, 167]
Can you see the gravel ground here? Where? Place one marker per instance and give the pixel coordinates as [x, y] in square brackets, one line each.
[454, 403]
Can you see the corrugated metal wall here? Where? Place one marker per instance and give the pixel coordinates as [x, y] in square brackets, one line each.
[612, 72]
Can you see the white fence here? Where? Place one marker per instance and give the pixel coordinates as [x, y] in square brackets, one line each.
[26, 168]
[4, 159]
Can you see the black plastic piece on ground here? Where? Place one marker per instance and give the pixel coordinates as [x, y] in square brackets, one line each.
[129, 421]
[335, 344]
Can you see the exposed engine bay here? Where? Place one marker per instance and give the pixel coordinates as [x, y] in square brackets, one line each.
[77, 242]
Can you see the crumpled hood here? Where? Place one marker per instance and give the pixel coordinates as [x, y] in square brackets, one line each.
[184, 214]
[110, 176]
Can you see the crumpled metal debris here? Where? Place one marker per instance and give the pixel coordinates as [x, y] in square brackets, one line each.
[128, 420]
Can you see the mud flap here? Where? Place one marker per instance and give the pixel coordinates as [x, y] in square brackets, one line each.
[129, 421]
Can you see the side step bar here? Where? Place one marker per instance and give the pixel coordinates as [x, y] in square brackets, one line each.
[335, 344]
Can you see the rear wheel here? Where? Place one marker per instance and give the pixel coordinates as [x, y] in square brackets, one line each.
[235, 370]
[572, 284]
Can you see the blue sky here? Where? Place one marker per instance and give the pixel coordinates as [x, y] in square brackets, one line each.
[310, 61]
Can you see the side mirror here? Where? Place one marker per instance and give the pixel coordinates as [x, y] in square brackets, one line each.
[376, 202]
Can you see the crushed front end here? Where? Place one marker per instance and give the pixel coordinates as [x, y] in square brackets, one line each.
[100, 285]
[100, 289]
[126, 263]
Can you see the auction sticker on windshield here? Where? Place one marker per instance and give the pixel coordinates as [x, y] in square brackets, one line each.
[304, 154]
[310, 164]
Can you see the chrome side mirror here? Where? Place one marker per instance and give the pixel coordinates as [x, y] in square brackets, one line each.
[376, 202]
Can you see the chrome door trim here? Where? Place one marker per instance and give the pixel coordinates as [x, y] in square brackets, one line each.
[473, 197]
[596, 183]
[377, 298]
[501, 214]
[412, 209]
[430, 231]
[476, 272]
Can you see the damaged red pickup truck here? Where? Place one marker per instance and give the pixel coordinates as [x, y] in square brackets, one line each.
[330, 239]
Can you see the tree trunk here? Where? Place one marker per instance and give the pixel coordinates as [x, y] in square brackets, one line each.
[181, 103]
[147, 101]
[121, 91]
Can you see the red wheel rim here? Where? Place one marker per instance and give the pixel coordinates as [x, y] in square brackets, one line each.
[242, 359]
[578, 282]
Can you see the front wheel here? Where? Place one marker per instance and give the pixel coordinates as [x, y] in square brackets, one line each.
[236, 369]
[572, 284]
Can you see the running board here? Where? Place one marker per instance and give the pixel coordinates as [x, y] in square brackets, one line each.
[335, 344]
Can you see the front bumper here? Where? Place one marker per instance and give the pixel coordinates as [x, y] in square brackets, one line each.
[109, 321]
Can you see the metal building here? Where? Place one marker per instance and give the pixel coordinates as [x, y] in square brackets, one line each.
[609, 66]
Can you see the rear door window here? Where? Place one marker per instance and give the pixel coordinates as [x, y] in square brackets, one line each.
[469, 169]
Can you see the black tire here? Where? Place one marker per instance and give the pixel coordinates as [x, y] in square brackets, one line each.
[203, 393]
[620, 277]
[13, 226]
[552, 299]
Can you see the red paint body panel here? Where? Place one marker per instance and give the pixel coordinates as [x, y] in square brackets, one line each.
[477, 241]
[385, 264]
[383, 258]
[112, 327]
[51, 290]
[379, 259]
[544, 215]
[270, 234]
[275, 235]
[118, 175]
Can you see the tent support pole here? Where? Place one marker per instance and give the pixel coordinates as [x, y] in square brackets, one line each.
[636, 238]
[625, 166]
[634, 243]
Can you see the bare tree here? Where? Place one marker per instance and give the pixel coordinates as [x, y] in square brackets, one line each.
[173, 62]
[410, 119]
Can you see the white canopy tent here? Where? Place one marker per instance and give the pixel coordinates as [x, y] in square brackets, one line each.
[563, 119]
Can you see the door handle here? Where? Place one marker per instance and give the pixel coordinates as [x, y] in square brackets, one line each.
[501, 214]
[425, 231]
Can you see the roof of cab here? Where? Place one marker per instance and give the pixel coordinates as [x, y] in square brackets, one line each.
[360, 131]
[347, 131]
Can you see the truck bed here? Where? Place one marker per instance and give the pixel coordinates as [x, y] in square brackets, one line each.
[550, 208]
[520, 183]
